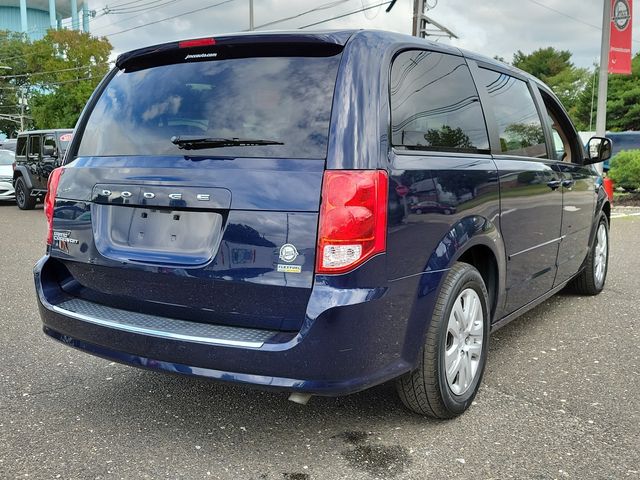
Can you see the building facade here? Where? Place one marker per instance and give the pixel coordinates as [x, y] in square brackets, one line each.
[35, 17]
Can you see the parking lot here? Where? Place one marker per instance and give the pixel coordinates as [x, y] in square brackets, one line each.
[560, 399]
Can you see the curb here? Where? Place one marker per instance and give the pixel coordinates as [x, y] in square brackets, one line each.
[618, 212]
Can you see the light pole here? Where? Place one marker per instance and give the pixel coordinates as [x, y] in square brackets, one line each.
[603, 79]
[251, 15]
[22, 101]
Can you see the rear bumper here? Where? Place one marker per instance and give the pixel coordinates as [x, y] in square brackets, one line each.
[351, 340]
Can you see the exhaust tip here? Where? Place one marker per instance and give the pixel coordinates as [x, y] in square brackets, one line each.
[300, 398]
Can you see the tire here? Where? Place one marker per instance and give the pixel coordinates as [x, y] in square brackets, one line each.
[428, 390]
[23, 195]
[592, 279]
[418, 212]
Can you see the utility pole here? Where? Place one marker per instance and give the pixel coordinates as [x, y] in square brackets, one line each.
[418, 11]
[424, 26]
[251, 15]
[21, 112]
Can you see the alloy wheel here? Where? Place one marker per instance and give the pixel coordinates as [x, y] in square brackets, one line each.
[464, 341]
[601, 254]
[20, 194]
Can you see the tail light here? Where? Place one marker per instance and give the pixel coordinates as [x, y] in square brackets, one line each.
[50, 200]
[353, 219]
[198, 42]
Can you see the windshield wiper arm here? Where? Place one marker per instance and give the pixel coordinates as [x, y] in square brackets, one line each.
[193, 143]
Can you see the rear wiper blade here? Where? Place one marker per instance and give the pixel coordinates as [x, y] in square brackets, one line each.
[186, 142]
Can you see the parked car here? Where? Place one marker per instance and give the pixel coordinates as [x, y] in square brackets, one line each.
[429, 206]
[6, 175]
[8, 144]
[223, 212]
[620, 141]
[37, 153]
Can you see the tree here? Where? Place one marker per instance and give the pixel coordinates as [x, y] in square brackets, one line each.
[554, 67]
[623, 100]
[12, 79]
[50, 80]
[448, 137]
[80, 61]
[522, 135]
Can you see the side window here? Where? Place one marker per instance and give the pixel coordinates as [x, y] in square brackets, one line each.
[564, 134]
[21, 147]
[435, 105]
[517, 118]
[49, 141]
[34, 146]
[558, 145]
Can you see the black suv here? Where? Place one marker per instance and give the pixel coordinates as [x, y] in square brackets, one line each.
[37, 153]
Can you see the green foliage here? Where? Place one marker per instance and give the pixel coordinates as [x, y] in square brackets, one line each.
[543, 63]
[522, 135]
[14, 49]
[623, 100]
[554, 67]
[448, 137]
[625, 169]
[55, 75]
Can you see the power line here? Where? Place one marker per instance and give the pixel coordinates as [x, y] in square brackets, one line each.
[125, 20]
[90, 65]
[136, 8]
[316, 9]
[345, 14]
[576, 19]
[48, 84]
[169, 18]
[106, 7]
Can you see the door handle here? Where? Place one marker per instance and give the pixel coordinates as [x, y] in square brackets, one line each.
[554, 184]
[568, 183]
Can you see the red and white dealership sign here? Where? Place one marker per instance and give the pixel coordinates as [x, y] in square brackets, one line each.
[620, 44]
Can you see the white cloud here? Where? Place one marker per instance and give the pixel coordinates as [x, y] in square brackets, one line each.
[491, 27]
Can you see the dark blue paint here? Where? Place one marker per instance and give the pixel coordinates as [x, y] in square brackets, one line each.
[338, 333]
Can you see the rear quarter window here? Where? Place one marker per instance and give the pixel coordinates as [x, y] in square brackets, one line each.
[282, 99]
[519, 125]
[21, 147]
[435, 104]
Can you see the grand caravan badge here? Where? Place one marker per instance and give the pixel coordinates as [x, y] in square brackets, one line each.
[62, 238]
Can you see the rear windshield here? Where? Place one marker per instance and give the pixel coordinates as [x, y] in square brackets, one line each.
[279, 99]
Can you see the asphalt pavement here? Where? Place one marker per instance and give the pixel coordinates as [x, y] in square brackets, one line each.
[560, 399]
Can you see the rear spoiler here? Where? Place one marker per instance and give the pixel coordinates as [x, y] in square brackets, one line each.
[235, 46]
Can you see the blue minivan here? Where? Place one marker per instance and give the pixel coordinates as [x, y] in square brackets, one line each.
[317, 213]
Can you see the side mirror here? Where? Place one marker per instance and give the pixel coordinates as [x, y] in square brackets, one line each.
[49, 151]
[599, 150]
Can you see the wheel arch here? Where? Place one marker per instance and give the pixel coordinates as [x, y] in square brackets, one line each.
[21, 171]
[475, 240]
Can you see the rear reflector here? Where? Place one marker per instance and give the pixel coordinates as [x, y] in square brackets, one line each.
[50, 200]
[199, 42]
[353, 219]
